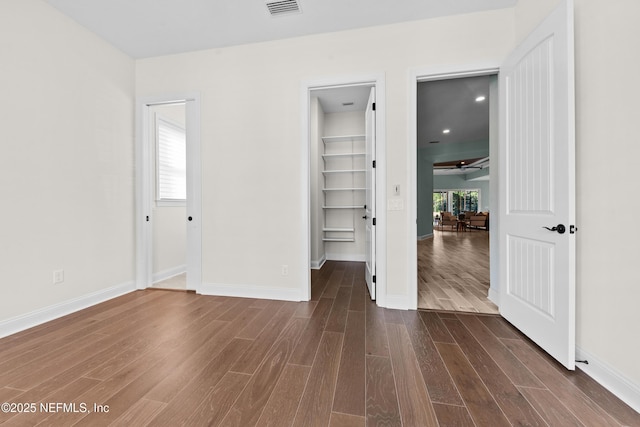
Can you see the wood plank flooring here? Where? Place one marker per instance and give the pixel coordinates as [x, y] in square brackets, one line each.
[164, 358]
[453, 272]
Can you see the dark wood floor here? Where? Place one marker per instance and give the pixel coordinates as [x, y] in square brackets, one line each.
[175, 358]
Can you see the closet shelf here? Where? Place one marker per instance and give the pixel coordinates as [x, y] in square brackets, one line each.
[341, 176]
[336, 155]
[343, 138]
[343, 171]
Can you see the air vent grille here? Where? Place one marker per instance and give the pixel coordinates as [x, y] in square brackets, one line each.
[284, 7]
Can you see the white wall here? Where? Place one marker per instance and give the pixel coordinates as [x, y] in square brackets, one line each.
[251, 148]
[66, 170]
[607, 112]
[169, 222]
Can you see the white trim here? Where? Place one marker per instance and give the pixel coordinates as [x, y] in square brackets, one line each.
[43, 315]
[169, 273]
[145, 194]
[346, 257]
[377, 80]
[194, 192]
[317, 264]
[166, 203]
[494, 296]
[251, 291]
[420, 75]
[425, 237]
[397, 302]
[621, 386]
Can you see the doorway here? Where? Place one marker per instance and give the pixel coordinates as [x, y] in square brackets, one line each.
[454, 124]
[454, 170]
[169, 204]
[339, 116]
[168, 193]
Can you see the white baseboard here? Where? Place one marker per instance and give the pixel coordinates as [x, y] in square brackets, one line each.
[251, 291]
[29, 320]
[610, 379]
[397, 302]
[425, 237]
[317, 265]
[169, 273]
[346, 257]
[494, 296]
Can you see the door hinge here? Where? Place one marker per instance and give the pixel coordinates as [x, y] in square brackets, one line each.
[374, 278]
[147, 218]
[374, 164]
[573, 229]
[374, 221]
[373, 106]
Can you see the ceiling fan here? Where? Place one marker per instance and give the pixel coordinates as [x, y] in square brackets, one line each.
[479, 163]
[464, 165]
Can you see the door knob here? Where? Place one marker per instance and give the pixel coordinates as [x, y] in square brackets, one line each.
[560, 228]
[190, 218]
[364, 217]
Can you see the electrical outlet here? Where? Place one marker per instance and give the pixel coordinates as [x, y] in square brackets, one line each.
[58, 276]
[285, 270]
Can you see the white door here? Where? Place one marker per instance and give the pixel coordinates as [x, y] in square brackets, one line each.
[537, 187]
[370, 194]
[145, 191]
[194, 198]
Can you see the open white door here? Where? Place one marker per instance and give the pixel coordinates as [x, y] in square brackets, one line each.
[370, 194]
[537, 187]
[194, 198]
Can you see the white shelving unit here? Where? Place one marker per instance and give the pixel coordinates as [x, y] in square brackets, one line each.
[343, 186]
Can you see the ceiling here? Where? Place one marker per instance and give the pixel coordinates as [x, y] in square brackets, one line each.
[464, 167]
[451, 104]
[147, 28]
[343, 99]
[454, 105]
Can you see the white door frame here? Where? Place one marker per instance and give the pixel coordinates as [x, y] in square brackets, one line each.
[145, 192]
[378, 81]
[417, 75]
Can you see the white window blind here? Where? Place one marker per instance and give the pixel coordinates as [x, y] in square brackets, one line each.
[172, 161]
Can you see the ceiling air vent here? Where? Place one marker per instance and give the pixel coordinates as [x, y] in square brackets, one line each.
[284, 7]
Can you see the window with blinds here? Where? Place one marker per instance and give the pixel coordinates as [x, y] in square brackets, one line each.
[171, 161]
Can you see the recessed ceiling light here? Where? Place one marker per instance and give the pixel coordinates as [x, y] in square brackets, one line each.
[480, 98]
[446, 131]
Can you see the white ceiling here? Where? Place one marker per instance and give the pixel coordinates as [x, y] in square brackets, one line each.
[147, 28]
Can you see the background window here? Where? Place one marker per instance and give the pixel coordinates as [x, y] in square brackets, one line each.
[171, 161]
[455, 201]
